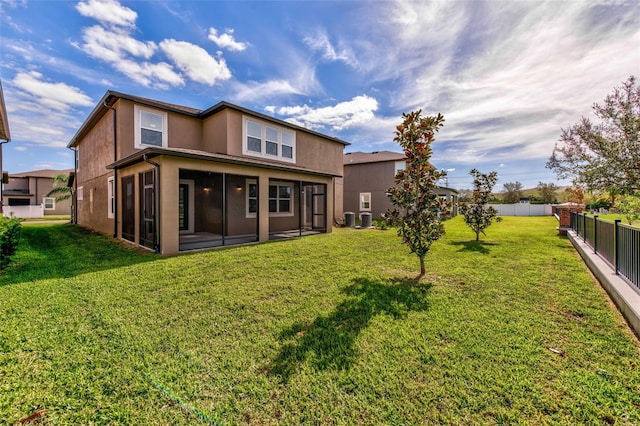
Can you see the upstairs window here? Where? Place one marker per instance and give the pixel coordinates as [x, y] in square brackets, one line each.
[150, 128]
[268, 141]
[254, 137]
[288, 142]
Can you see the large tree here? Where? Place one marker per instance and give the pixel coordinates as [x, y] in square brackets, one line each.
[477, 214]
[604, 156]
[417, 210]
[512, 191]
[547, 192]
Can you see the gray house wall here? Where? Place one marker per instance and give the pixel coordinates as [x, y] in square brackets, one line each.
[375, 178]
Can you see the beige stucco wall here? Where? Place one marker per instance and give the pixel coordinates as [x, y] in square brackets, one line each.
[183, 131]
[312, 152]
[215, 133]
[95, 152]
[338, 199]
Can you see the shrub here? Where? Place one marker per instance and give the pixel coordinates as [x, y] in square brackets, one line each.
[380, 224]
[9, 237]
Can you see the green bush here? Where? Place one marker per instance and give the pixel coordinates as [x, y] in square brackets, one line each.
[9, 237]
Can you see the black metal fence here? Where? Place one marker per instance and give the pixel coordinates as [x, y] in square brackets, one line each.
[618, 244]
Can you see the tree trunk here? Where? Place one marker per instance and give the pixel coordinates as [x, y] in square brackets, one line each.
[422, 271]
[477, 236]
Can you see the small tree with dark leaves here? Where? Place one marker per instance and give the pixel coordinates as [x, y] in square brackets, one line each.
[477, 215]
[418, 211]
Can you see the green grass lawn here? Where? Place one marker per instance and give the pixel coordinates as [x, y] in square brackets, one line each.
[613, 216]
[329, 329]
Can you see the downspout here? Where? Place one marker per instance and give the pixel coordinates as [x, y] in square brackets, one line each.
[156, 219]
[74, 188]
[115, 169]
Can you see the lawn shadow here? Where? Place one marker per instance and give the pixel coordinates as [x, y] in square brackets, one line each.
[64, 251]
[479, 246]
[328, 341]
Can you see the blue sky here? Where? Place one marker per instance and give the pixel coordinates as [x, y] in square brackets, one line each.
[506, 75]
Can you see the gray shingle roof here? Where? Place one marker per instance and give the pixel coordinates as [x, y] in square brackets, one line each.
[360, 157]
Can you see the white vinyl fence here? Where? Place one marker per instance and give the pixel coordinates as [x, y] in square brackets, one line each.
[522, 209]
[23, 212]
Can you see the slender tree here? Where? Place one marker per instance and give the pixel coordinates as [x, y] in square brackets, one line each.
[512, 191]
[477, 215]
[547, 192]
[417, 211]
[630, 207]
[604, 156]
[61, 191]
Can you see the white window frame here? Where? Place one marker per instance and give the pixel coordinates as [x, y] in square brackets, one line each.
[247, 198]
[272, 214]
[111, 207]
[364, 197]
[263, 140]
[53, 203]
[291, 199]
[80, 193]
[137, 111]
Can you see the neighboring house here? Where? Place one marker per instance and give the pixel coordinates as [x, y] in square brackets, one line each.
[5, 136]
[172, 178]
[25, 195]
[369, 175]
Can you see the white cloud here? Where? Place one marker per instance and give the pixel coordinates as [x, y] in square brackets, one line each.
[320, 43]
[114, 45]
[148, 74]
[20, 148]
[341, 116]
[108, 12]
[42, 112]
[196, 62]
[226, 40]
[52, 95]
[506, 76]
[258, 92]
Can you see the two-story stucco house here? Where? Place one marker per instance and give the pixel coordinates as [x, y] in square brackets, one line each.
[26, 194]
[173, 178]
[369, 175]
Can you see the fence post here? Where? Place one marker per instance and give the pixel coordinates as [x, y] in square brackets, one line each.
[584, 227]
[595, 234]
[615, 245]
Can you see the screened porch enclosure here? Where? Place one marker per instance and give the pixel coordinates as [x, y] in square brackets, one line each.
[219, 209]
[211, 210]
[296, 208]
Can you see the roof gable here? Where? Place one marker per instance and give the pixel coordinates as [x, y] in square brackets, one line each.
[4, 122]
[47, 173]
[359, 157]
[110, 98]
